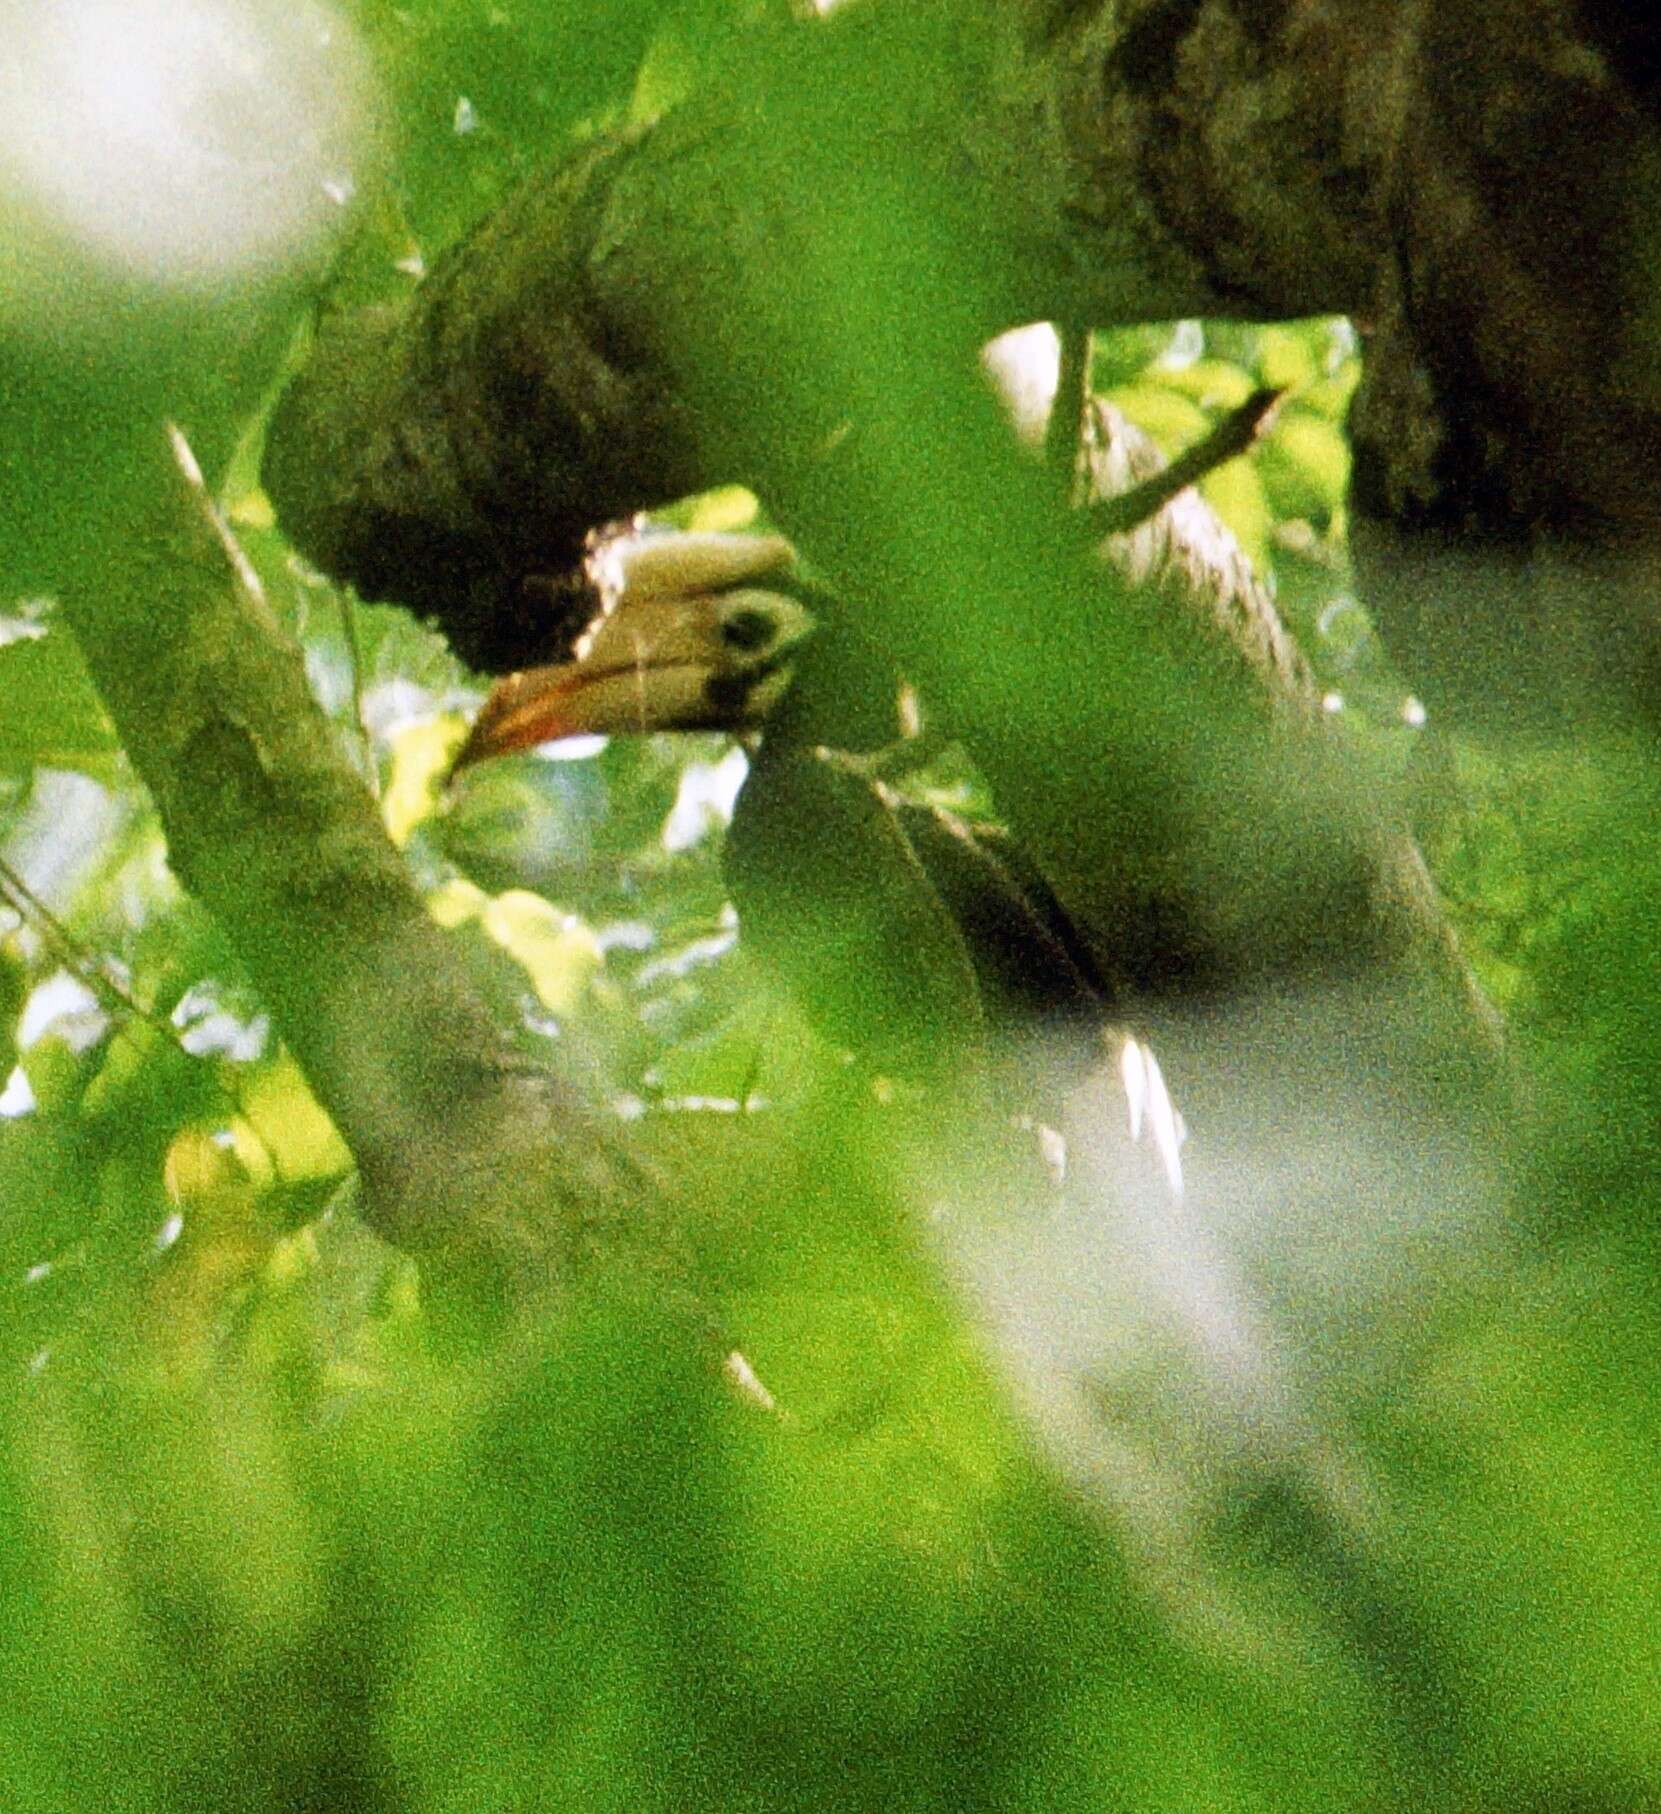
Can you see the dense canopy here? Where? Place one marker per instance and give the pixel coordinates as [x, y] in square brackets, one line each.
[1031, 1182]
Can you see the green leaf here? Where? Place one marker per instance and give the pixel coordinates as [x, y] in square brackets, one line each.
[1305, 466]
[53, 717]
[14, 991]
[1173, 420]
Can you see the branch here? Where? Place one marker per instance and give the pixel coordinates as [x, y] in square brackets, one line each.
[1091, 163]
[1236, 434]
[782, 282]
[1120, 163]
[489, 1169]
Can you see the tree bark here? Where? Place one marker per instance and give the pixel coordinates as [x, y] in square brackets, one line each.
[695, 303]
[488, 1168]
[1478, 182]
[1097, 165]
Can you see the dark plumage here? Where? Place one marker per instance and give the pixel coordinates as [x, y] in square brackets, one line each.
[911, 935]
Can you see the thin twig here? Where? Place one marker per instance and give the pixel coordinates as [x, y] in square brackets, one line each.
[1066, 423]
[1234, 435]
[34, 911]
[354, 649]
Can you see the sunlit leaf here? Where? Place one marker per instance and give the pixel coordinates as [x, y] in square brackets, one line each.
[558, 951]
[301, 1140]
[1175, 421]
[1236, 492]
[1213, 384]
[1286, 359]
[1305, 465]
[53, 717]
[456, 902]
[421, 758]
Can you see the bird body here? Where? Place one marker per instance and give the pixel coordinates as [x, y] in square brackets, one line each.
[911, 935]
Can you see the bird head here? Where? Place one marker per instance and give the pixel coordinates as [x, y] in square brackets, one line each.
[692, 631]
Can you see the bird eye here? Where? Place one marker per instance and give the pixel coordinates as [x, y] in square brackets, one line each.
[748, 629]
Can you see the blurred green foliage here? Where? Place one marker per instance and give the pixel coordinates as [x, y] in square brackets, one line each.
[266, 1543]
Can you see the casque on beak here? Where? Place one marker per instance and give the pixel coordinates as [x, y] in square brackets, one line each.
[689, 634]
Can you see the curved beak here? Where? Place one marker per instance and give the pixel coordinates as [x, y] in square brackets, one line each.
[684, 641]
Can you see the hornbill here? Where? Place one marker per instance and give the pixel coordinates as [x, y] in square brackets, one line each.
[911, 934]
[908, 932]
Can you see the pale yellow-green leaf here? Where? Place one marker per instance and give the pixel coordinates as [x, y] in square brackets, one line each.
[1235, 492]
[557, 951]
[301, 1139]
[1331, 397]
[252, 510]
[1285, 358]
[1214, 384]
[456, 902]
[1173, 420]
[207, 1182]
[199, 1166]
[421, 758]
[1305, 465]
[725, 509]
[252, 1153]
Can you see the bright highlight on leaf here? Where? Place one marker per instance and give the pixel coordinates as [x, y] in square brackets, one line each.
[252, 510]
[421, 758]
[559, 953]
[722, 511]
[457, 902]
[300, 1138]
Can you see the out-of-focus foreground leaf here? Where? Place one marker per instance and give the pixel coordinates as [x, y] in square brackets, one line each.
[266, 1541]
